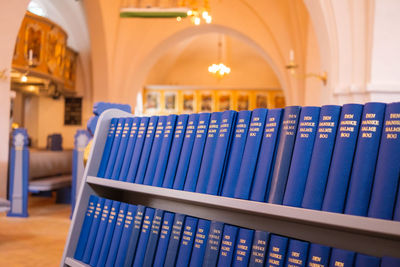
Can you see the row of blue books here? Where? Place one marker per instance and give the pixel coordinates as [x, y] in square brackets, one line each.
[121, 234]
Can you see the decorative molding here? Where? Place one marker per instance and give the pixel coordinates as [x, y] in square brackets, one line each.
[3, 74]
[383, 88]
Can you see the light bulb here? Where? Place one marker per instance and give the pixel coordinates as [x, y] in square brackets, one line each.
[190, 12]
[178, 18]
[208, 19]
[204, 14]
[24, 79]
[197, 21]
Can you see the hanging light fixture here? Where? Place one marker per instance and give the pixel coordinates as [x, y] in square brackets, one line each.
[219, 69]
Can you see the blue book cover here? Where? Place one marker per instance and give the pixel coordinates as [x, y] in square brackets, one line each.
[185, 249]
[301, 157]
[130, 234]
[145, 152]
[163, 241]
[107, 148]
[186, 153]
[228, 243]
[150, 170]
[277, 251]
[266, 158]
[119, 160]
[318, 255]
[390, 262]
[86, 225]
[341, 257]
[126, 162]
[198, 146]
[93, 230]
[116, 238]
[209, 151]
[321, 157]
[114, 148]
[259, 249]
[200, 242]
[367, 261]
[144, 238]
[112, 219]
[396, 216]
[284, 152]
[174, 240]
[139, 144]
[222, 151]
[243, 247]
[176, 149]
[297, 253]
[250, 154]
[342, 158]
[164, 154]
[153, 238]
[236, 153]
[362, 174]
[108, 203]
[213, 243]
[386, 181]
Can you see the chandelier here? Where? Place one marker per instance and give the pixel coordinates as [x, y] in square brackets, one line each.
[219, 69]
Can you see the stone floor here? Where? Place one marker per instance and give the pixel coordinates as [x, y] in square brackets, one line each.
[37, 240]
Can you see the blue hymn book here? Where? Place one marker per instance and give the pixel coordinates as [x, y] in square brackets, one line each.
[266, 159]
[321, 157]
[342, 158]
[390, 262]
[362, 174]
[114, 148]
[185, 249]
[163, 241]
[236, 153]
[301, 157]
[259, 249]
[133, 164]
[297, 253]
[122, 148]
[243, 247]
[387, 172]
[107, 148]
[341, 257]
[250, 155]
[199, 246]
[176, 149]
[213, 244]
[174, 240]
[209, 151]
[318, 255]
[164, 156]
[287, 137]
[153, 238]
[86, 225]
[277, 251]
[195, 160]
[150, 170]
[367, 261]
[129, 149]
[185, 155]
[222, 152]
[228, 243]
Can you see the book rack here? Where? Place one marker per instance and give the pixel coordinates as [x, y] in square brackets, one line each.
[361, 234]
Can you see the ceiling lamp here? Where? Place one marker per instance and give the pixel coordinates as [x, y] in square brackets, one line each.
[219, 69]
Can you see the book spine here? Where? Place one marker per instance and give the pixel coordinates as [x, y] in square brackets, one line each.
[318, 255]
[174, 240]
[186, 245]
[367, 261]
[396, 215]
[228, 243]
[107, 148]
[122, 148]
[209, 150]
[186, 152]
[167, 138]
[297, 253]
[236, 153]
[284, 154]
[144, 238]
[86, 225]
[139, 144]
[390, 262]
[301, 157]
[153, 238]
[243, 247]
[163, 241]
[341, 257]
[250, 154]
[259, 249]
[176, 149]
[222, 151]
[266, 158]
[199, 247]
[198, 147]
[114, 148]
[133, 133]
[213, 244]
[145, 152]
[150, 170]
[277, 251]
[386, 181]
[342, 158]
[321, 157]
[362, 174]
